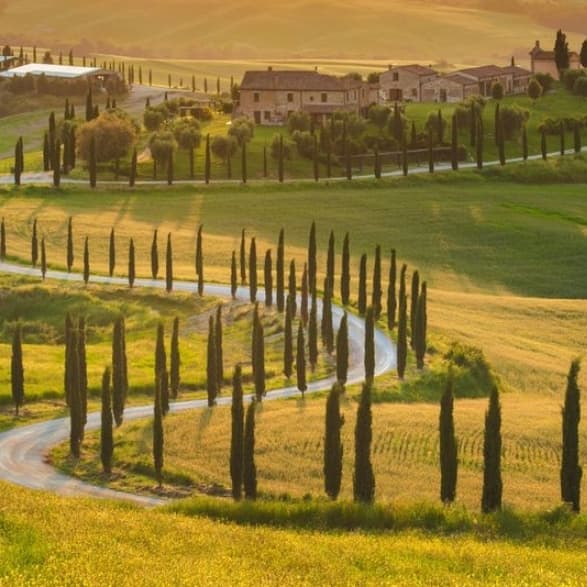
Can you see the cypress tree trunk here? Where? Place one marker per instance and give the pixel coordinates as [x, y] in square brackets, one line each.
[292, 288]
[67, 340]
[327, 330]
[233, 276]
[169, 266]
[175, 360]
[3, 239]
[207, 161]
[571, 472]
[377, 165]
[73, 386]
[391, 292]
[304, 314]
[83, 375]
[313, 335]
[362, 305]
[330, 264]
[405, 169]
[112, 253]
[249, 468]
[86, 261]
[479, 142]
[131, 263]
[420, 342]
[577, 138]
[402, 329]
[288, 342]
[158, 434]
[301, 361]
[543, 146]
[525, 143]
[414, 297]
[377, 292]
[268, 278]
[34, 244]
[501, 144]
[342, 351]
[69, 244]
[200, 260]
[333, 449]
[57, 164]
[448, 445]
[211, 366]
[280, 272]
[154, 256]
[454, 155]
[243, 258]
[363, 478]
[492, 484]
[93, 163]
[43, 258]
[369, 347]
[430, 153]
[17, 370]
[237, 435]
[17, 163]
[253, 271]
[219, 351]
[160, 375]
[312, 266]
[46, 153]
[496, 125]
[345, 274]
[562, 138]
[132, 178]
[106, 438]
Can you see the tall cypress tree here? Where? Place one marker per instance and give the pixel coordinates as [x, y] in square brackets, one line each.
[233, 276]
[333, 449]
[415, 294]
[17, 370]
[200, 260]
[34, 244]
[342, 351]
[454, 150]
[243, 258]
[86, 261]
[345, 274]
[501, 144]
[158, 433]
[377, 164]
[67, 340]
[543, 145]
[259, 362]
[106, 437]
[112, 253]
[3, 239]
[313, 335]
[330, 264]
[312, 266]
[119, 371]
[43, 258]
[448, 445]
[207, 161]
[83, 374]
[402, 328]
[219, 351]
[253, 271]
[249, 467]
[301, 361]
[492, 484]
[131, 263]
[69, 244]
[370, 346]
[47, 160]
[305, 293]
[92, 163]
[268, 278]
[211, 366]
[57, 164]
[292, 288]
[169, 265]
[562, 138]
[280, 272]
[420, 342]
[362, 305]
[132, 178]
[327, 330]
[154, 256]
[377, 291]
[237, 435]
[363, 477]
[73, 392]
[391, 292]
[175, 360]
[288, 341]
[571, 472]
[479, 141]
[18, 157]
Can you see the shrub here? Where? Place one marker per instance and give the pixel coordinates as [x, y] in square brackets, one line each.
[545, 80]
[298, 121]
[570, 76]
[304, 141]
[114, 137]
[535, 90]
[580, 86]
[223, 147]
[162, 144]
[497, 91]
[513, 118]
[471, 369]
[187, 133]
[242, 129]
[274, 149]
[153, 119]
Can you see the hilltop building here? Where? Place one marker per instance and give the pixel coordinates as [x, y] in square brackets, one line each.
[404, 82]
[543, 61]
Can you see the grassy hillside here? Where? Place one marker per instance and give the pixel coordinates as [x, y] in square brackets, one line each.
[386, 29]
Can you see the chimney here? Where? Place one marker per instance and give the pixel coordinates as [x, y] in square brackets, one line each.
[389, 67]
[537, 44]
[270, 68]
[513, 61]
[316, 68]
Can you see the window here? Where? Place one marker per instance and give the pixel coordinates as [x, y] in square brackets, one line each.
[396, 76]
[324, 97]
[266, 115]
[257, 117]
[290, 97]
[256, 97]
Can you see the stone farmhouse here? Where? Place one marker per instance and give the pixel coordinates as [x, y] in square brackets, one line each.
[543, 61]
[405, 82]
[269, 97]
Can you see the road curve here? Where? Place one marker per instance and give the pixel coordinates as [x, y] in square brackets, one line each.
[23, 450]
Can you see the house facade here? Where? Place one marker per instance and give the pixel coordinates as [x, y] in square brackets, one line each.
[543, 61]
[404, 83]
[270, 97]
[450, 88]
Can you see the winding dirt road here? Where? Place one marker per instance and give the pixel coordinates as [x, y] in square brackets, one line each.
[23, 450]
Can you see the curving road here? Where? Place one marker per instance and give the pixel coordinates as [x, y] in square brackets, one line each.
[23, 450]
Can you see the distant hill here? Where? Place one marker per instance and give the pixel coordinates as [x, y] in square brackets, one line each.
[462, 31]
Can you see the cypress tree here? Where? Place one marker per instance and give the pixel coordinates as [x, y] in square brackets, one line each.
[243, 258]
[207, 161]
[57, 164]
[543, 146]
[333, 449]
[106, 438]
[363, 478]
[577, 138]
[345, 274]
[370, 346]
[304, 315]
[249, 467]
[301, 361]
[430, 153]
[69, 244]
[67, 340]
[46, 153]
[244, 162]
[497, 125]
[479, 142]
[377, 164]
[169, 265]
[473, 122]
[268, 278]
[112, 253]
[315, 162]
[330, 263]
[93, 165]
[448, 445]
[158, 434]
[415, 294]
[3, 239]
[562, 138]
[212, 367]
[43, 258]
[312, 266]
[391, 292]
[73, 392]
[154, 256]
[280, 163]
[259, 358]
[405, 169]
[288, 341]
[327, 330]
[280, 272]
[402, 328]
[342, 351]
[131, 263]
[313, 335]
[83, 374]
[525, 143]
[501, 144]
[421, 327]
[292, 288]
[454, 155]
[200, 260]
[174, 360]
[253, 271]
[571, 472]
[219, 352]
[89, 106]
[17, 162]
[237, 435]
[233, 276]
[119, 376]
[363, 285]
[17, 370]
[377, 291]
[492, 484]
[34, 244]
[86, 261]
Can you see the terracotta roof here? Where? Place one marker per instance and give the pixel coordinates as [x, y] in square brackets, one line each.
[291, 80]
[482, 71]
[463, 80]
[416, 69]
[516, 71]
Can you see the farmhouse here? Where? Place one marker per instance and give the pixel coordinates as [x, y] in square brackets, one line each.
[453, 87]
[404, 82]
[269, 97]
[65, 72]
[543, 61]
[519, 81]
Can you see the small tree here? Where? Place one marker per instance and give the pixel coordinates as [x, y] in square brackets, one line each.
[112, 253]
[175, 360]
[200, 260]
[131, 263]
[369, 346]
[492, 484]
[362, 303]
[249, 467]
[497, 91]
[288, 341]
[301, 361]
[448, 445]
[219, 351]
[534, 89]
[363, 477]
[345, 275]
[280, 272]
[168, 265]
[391, 292]
[253, 271]
[237, 435]
[268, 278]
[17, 370]
[562, 54]
[34, 245]
[69, 244]
[333, 449]
[342, 351]
[154, 256]
[211, 366]
[106, 439]
[86, 261]
[233, 276]
[158, 434]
